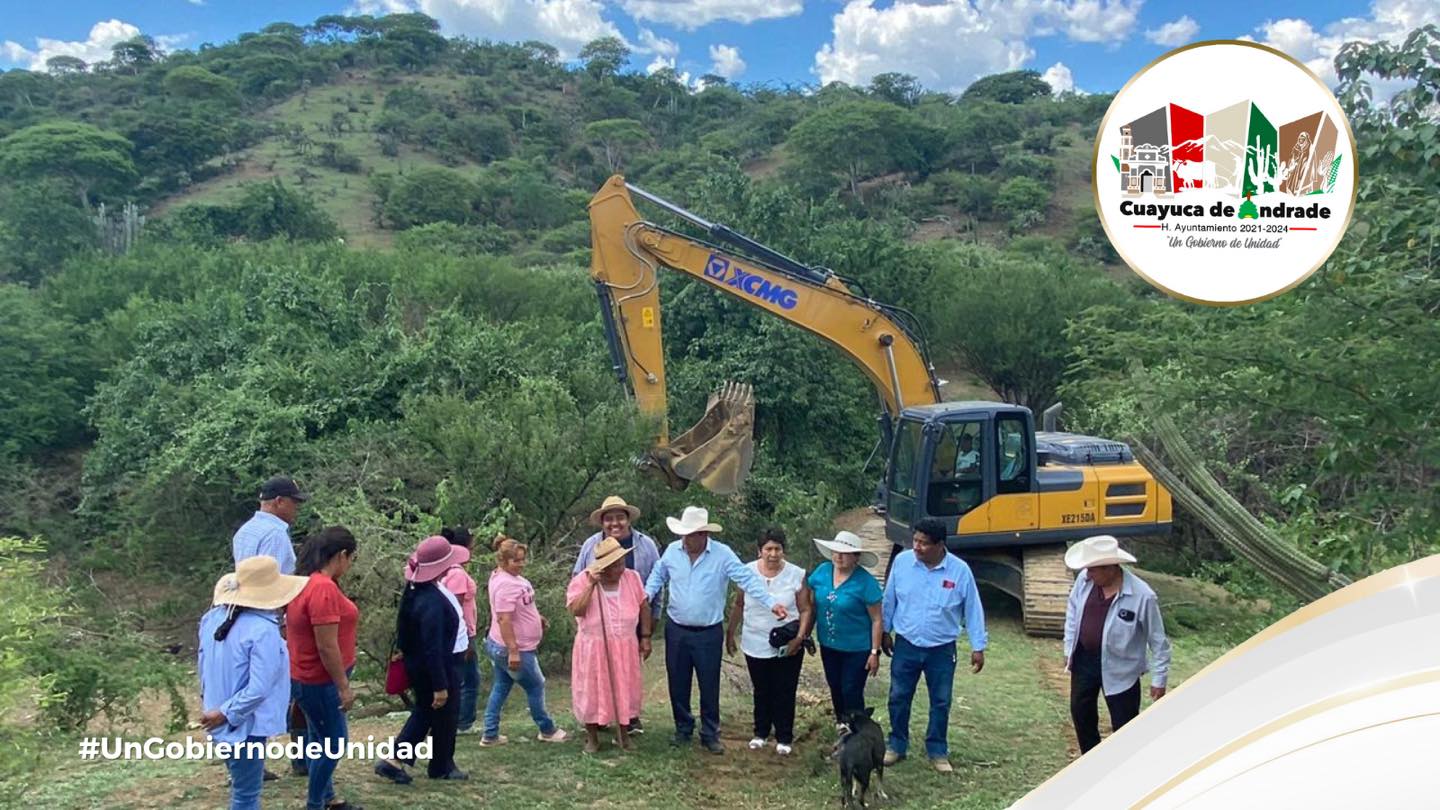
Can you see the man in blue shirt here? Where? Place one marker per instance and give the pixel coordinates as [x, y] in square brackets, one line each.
[929, 595]
[267, 532]
[698, 571]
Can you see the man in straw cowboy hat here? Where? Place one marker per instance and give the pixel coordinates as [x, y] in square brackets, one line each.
[1110, 620]
[697, 570]
[929, 596]
[616, 519]
[244, 668]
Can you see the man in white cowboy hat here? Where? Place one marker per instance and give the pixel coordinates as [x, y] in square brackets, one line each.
[698, 570]
[1110, 620]
[930, 596]
[616, 518]
[244, 667]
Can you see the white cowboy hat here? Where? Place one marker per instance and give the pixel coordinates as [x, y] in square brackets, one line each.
[847, 543]
[258, 583]
[693, 519]
[1102, 549]
[611, 504]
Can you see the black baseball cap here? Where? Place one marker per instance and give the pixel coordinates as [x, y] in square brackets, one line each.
[281, 487]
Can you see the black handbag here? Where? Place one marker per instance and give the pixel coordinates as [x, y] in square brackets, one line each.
[784, 634]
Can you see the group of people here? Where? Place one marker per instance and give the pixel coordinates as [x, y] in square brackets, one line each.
[279, 643]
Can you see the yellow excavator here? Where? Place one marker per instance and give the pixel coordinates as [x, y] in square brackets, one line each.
[1013, 496]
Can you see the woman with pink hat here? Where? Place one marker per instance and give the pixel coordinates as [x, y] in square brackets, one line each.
[431, 636]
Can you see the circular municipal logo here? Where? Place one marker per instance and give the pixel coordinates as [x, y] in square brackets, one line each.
[1225, 172]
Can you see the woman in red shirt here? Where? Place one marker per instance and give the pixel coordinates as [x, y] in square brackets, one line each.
[320, 629]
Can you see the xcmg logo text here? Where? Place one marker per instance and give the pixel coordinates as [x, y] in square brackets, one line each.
[752, 284]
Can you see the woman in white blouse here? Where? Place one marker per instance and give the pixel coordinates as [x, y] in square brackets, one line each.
[774, 671]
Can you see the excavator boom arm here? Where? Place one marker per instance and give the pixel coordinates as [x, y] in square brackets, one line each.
[629, 251]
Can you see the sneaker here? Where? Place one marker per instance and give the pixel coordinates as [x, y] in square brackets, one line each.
[635, 727]
[468, 730]
[713, 746]
[558, 735]
[757, 743]
[782, 749]
[491, 742]
[941, 765]
[891, 757]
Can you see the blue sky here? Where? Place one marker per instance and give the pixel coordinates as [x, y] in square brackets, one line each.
[1091, 45]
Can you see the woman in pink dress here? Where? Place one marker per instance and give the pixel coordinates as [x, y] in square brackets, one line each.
[605, 665]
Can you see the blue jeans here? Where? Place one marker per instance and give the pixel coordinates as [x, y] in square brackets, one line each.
[324, 724]
[530, 678]
[247, 774]
[938, 666]
[469, 690]
[845, 674]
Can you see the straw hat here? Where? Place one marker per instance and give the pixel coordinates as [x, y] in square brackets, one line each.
[433, 557]
[847, 543]
[1102, 549]
[258, 583]
[693, 519]
[610, 504]
[607, 552]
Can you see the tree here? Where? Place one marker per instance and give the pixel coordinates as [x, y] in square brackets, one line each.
[430, 194]
[40, 227]
[64, 65]
[604, 57]
[1023, 200]
[897, 88]
[1014, 87]
[1005, 315]
[89, 159]
[135, 53]
[270, 210]
[617, 136]
[43, 378]
[862, 138]
[198, 84]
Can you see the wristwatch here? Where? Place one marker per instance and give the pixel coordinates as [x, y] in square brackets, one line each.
[875, 652]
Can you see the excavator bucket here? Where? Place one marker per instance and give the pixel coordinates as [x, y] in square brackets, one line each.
[717, 452]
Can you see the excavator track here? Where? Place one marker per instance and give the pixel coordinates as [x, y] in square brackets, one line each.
[1046, 582]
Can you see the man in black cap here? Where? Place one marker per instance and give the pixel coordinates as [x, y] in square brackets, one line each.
[267, 533]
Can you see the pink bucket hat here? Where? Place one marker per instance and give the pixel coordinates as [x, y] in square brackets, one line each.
[433, 557]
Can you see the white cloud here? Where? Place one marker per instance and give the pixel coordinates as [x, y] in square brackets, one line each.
[1174, 33]
[1059, 78]
[1389, 20]
[103, 36]
[566, 24]
[726, 61]
[196, 2]
[692, 14]
[650, 42]
[948, 45]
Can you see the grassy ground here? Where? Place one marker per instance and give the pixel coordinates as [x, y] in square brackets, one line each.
[1009, 731]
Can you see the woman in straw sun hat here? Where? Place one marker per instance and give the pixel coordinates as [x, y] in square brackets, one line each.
[431, 636]
[1110, 621]
[245, 668]
[606, 679]
[848, 621]
[616, 518]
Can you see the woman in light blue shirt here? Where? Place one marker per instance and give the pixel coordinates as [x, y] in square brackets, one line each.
[244, 668]
[848, 620]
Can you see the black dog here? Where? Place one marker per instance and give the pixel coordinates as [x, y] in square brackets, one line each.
[861, 749]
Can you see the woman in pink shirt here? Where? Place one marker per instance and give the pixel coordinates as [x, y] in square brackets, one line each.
[462, 586]
[516, 628]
